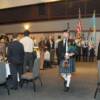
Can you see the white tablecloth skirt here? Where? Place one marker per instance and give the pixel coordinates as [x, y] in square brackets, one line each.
[9, 73]
[7, 70]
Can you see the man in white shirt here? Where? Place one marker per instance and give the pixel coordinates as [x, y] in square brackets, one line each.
[28, 49]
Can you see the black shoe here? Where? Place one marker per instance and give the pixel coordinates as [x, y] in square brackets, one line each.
[66, 89]
[65, 82]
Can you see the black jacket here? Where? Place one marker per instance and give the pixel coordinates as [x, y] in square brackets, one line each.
[61, 50]
[98, 53]
[15, 53]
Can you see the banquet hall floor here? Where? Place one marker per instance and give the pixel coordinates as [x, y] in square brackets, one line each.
[82, 87]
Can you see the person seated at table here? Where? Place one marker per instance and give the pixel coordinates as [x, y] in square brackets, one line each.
[1, 57]
[15, 57]
[2, 49]
[47, 63]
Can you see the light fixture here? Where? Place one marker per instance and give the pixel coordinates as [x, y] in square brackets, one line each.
[26, 26]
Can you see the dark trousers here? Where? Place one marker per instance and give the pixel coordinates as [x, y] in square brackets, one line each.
[85, 57]
[58, 58]
[78, 57]
[52, 55]
[91, 58]
[47, 64]
[15, 69]
[28, 62]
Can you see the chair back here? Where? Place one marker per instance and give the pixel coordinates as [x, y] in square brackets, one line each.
[36, 68]
[99, 71]
[2, 73]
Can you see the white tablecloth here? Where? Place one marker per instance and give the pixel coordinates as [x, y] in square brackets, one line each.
[7, 70]
[9, 73]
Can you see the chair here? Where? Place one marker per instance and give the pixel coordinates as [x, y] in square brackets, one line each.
[98, 84]
[32, 76]
[3, 80]
[97, 89]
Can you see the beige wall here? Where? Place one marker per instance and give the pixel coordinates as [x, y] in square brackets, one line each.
[44, 26]
[34, 26]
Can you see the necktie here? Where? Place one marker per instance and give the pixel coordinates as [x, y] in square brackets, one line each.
[66, 45]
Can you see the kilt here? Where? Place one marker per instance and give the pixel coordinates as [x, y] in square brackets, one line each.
[69, 69]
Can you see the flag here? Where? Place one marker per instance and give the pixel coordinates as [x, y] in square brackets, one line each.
[79, 26]
[94, 27]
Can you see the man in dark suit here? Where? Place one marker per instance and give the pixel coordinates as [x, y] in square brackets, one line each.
[56, 47]
[64, 56]
[47, 43]
[15, 59]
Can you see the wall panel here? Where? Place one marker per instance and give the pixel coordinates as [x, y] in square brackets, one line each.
[65, 9]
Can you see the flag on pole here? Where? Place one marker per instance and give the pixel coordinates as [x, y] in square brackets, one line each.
[94, 27]
[79, 26]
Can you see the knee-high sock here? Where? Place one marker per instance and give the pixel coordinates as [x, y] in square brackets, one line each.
[64, 76]
[68, 80]
[67, 77]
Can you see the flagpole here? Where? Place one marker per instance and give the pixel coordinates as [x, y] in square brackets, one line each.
[79, 14]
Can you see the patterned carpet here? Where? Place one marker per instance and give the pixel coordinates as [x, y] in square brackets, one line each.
[83, 86]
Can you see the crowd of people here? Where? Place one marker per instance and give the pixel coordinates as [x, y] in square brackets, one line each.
[86, 51]
[21, 50]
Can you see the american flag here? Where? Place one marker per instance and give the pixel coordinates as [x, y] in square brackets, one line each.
[94, 27]
[79, 26]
